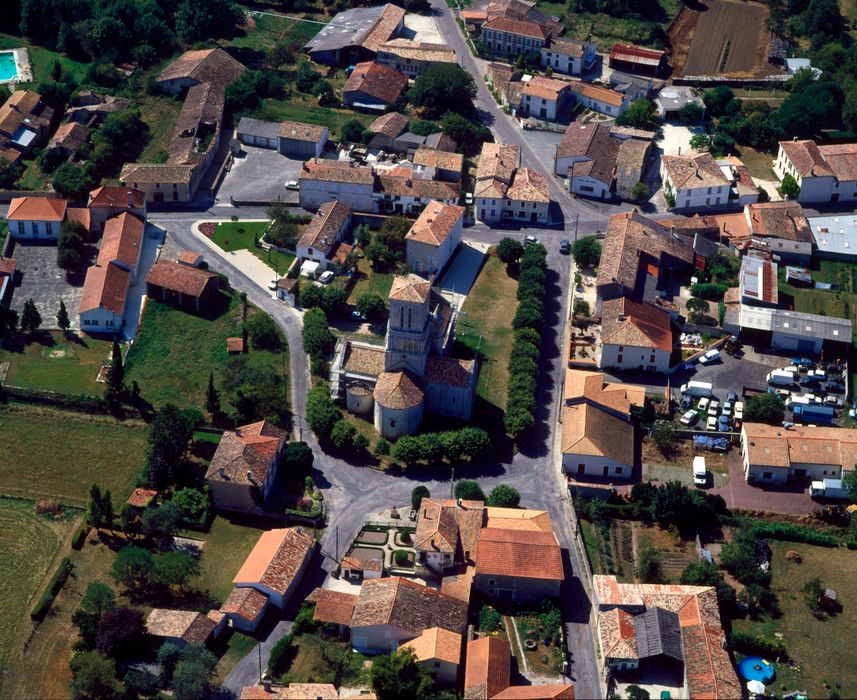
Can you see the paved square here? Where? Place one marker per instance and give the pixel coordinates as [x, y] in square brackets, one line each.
[42, 281]
[258, 175]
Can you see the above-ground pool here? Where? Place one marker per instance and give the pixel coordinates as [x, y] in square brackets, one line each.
[755, 668]
[8, 70]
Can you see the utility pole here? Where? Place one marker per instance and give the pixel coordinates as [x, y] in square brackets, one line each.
[259, 648]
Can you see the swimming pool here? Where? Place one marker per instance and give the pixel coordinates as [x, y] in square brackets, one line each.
[755, 668]
[8, 70]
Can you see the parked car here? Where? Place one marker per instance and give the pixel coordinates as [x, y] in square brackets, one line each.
[272, 285]
[293, 185]
[564, 247]
[731, 397]
[723, 424]
[711, 423]
[835, 388]
[689, 418]
[326, 277]
[713, 408]
[530, 240]
[710, 357]
[739, 410]
[727, 408]
[833, 401]
[703, 403]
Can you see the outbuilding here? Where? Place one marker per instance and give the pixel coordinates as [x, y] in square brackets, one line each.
[303, 141]
[255, 132]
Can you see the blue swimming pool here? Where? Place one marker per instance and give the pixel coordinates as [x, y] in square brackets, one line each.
[8, 71]
[755, 668]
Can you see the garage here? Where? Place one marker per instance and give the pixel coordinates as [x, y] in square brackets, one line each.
[255, 132]
[304, 141]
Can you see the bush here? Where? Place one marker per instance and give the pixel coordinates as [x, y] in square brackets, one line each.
[56, 583]
[711, 292]
[401, 558]
[489, 619]
[417, 496]
[754, 645]
[451, 445]
[794, 533]
[80, 537]
[586, 251]
[279, 655]
[321, 413]
[503, 496]
[509, 250]
[468, 490]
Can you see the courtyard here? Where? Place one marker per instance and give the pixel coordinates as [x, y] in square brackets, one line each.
[258, 175]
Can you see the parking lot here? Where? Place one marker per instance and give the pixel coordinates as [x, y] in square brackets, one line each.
[41, 280]
[258, 175]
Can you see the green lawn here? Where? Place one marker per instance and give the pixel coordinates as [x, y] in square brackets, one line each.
[227, 545]
[490, 307]
[820, 648]
[28, 545]
[42, 60]
[159, 114]
[60, 456]
[304, 108]
[758, 164]
[314, 658]
[175, 351]
[370, 281]
[242, 235]
[33, 178]
[50, 361]
[841, 303]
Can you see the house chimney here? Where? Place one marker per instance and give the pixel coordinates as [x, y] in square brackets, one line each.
[679, 150]
[222, 472]
[620, 317]
[130, 199]
[458, 503]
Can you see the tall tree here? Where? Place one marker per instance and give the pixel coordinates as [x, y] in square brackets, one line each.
[398, 675]
[443, 87]
[93, 507]
[116, 373]
[107, 514]
[212, 398]
[31, 319]
[62, 317]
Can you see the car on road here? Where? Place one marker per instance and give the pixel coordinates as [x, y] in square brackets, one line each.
[723, 424]
[468, 198]
[689, 418]
[326, 277]
[711, 423]
[272, 285]
[293, 185]
[564, 246]
[531, 240]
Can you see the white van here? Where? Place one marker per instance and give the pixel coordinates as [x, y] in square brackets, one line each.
[781, 377]
[697, 388]
[700, 476]
[709, 357]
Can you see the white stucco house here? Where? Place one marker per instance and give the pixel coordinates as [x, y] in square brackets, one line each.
[36, 218]
[569, 56]
[596, 443]
[330, 223]
[635, 336]
[695, 180]
[825, 174]
[434, 237]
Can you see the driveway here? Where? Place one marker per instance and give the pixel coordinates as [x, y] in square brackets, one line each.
[258, 175]
[39, 279]
[727, 374]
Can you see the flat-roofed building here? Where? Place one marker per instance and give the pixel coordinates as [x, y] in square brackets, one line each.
[796, 332]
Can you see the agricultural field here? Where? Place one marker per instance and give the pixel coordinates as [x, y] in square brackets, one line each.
[196, 346]
[823, 656]
[722, 38]
[28, 547]
[53, 361]
[59, 456]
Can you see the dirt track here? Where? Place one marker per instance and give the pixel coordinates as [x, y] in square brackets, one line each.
[721, 37]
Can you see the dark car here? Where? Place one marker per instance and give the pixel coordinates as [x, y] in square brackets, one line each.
[564, 247]
[810, 382]
[835, 388]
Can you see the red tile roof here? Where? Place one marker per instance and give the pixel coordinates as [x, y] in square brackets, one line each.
[105, 286]
[536, 692]
[141, 498]
[515, 26]
[398, 390]
[122, 240]
[246, 602]
[7, 266]
[639, 325]
[435, 223]
[205, 65]
[488, 667]
[375, 80]
[189, 281]
[245, 454]
[277, 558]
[519, 553]
[117, 197]
[36, 209]
[333, 607]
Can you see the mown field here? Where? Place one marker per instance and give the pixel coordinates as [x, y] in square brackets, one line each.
[57, 455]
[28, 547]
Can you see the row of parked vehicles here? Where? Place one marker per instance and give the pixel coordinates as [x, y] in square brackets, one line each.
[813, 393]
[722, 418]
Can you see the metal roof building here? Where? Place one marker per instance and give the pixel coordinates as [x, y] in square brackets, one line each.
[795, 331]
[835, 236]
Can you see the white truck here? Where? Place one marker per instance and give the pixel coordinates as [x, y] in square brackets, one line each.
[781, 377]
[828, 488]
[697, 388]
[700, 477]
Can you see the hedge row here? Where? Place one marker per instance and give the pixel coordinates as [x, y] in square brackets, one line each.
[753, 645]
[434, 448]
[712, 292]
[526, 349]
[789, 532]
[80, 537]
[59, 578]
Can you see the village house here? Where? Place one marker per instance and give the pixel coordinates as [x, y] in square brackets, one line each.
[188, 288]
[505, 36]
[434, 237]
[595, 443]
[528, 197]
[824, 173]
[182, 627]
[413, 57]
[602, 160]
[636, 252]
[292, 691]
[569, 56]
[102, 302]
[108, 201]
[355, 35]
[592, 388]
[244, 467]
[543, 98]
[635, 336]
[599, 99]
[90, 109]
[276, 563]
[668, 630]
[373, 87]
[404, 194]
[782, 228]
[504, 192]
[386, 129]
[772, 454]
[196, 67]
[67, 139]
[695, 181]
[447, 533]
[439, 651]
[437, 164]
[25, 120]
[391, 611]
[245, 608]
[324, 233]
[634, 59]
[323, 181]
[36, 218]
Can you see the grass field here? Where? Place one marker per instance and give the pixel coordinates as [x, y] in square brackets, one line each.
[42, 60]
[28, 545]
[607, 30]
[242, 235]
[227, 545]
[490, 307]
[370, 281]
[841, 303]
[818, 647]
[33, 178]
[50, 361]
[60, 456]
[758, 164]
[316, 659]
[195, 346]
[159, 114]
